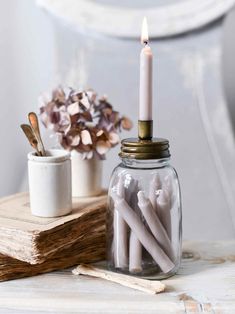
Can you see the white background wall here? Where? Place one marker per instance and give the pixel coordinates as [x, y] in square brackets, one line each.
[26, 63]
[36, 53]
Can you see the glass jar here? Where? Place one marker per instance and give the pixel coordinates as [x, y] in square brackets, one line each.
[144, 223]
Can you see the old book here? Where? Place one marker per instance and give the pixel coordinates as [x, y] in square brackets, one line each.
[88, 250]
[36, 240]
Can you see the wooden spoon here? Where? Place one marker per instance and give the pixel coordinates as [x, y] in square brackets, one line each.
[33, 120]
[31, 137]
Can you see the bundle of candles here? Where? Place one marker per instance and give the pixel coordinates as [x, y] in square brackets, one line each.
[149, 220]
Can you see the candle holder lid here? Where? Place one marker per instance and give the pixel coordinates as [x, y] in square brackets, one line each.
[156, 148]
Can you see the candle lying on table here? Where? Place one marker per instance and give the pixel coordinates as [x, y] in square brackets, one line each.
[149, 286]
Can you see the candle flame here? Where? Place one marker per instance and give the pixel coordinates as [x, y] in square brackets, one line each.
[144, 33]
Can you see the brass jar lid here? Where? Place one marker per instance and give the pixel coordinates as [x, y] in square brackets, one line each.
[155, 148]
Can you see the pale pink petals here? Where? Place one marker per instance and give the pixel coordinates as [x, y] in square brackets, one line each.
[99, 133]
[44, 118]
[114, 138]
[104, 98]
[91, 95]
[65, 122]
[102, 147]
[86, 137]
[43, 99]
[62, 108]
[73, 109]
[89, 155]
[75, 140]
[126, 123]
[81, 121]
[85, 101]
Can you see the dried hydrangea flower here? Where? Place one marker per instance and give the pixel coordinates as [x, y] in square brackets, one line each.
[103, 147]
[82, 122]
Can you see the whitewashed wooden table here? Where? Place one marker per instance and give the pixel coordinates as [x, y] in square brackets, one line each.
[205, 283]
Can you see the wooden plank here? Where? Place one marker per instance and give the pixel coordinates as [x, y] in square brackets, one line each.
[205, 283]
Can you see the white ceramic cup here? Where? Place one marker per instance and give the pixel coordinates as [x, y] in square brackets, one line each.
[86, 175]
[50, 183]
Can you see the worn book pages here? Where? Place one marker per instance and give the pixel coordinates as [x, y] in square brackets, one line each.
[34, 240]
[88, 250]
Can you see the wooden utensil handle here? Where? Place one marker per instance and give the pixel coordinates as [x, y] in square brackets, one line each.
[33, 119]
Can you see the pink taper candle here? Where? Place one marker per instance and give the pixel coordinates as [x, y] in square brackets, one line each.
[146, 56]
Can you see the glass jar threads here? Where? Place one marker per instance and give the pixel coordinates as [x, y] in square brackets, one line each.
[144, 218]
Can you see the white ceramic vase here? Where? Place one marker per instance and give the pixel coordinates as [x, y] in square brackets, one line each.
[86, 175]
[50, 183]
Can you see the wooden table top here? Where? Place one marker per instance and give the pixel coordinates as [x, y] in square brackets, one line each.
[204, 283]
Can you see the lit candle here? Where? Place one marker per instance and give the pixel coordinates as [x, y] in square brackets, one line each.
[146, 56]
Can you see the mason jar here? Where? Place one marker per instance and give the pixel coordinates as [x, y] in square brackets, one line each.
[144, 222]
